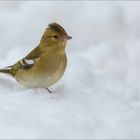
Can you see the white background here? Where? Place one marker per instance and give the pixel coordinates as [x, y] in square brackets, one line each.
[99, 95]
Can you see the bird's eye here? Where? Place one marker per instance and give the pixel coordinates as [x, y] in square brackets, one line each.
[55, 36]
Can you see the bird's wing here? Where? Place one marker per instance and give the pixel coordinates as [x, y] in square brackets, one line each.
[35, 53]
[27, 62]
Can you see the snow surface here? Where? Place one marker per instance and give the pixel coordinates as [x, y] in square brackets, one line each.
[99, 95]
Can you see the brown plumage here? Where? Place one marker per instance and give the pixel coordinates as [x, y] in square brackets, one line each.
[45, 64]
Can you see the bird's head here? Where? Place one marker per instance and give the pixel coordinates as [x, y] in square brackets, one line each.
[55, 36]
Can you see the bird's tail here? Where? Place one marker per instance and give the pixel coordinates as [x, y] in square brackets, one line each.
[6, 70]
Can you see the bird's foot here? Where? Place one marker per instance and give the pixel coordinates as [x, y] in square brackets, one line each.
[48, 90]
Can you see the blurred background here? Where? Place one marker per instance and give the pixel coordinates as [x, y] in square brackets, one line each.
[98, 97]
[106, 32]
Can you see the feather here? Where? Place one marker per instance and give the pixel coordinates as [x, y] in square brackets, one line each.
[56, 27]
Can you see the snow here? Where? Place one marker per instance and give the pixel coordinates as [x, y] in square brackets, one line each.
[99, 95]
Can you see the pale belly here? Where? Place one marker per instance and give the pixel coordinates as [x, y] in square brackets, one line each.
[33, 79]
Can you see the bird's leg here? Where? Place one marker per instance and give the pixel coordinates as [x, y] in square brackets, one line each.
[48, 90]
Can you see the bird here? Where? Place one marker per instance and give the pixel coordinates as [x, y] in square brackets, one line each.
[44, 65]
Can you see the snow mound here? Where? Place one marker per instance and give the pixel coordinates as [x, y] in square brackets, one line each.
[98, 97]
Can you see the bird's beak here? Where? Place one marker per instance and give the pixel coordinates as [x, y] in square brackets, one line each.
[68, 37]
